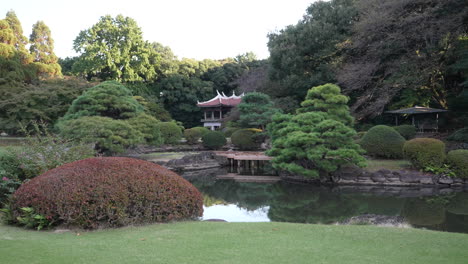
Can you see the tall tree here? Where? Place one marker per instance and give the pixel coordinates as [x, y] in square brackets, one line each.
[114, 49]
[316, 141]
[304, 55]
[42, 50]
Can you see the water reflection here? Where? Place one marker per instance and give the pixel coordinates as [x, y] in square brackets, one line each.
[286, 202]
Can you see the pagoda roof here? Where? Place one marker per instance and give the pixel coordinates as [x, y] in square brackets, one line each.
[222, 100]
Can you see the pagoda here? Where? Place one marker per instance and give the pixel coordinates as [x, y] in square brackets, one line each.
[216, 109]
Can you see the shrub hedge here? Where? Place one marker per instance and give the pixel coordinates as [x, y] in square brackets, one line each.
[460, 135]
[192, 135]
[383, 141]
[425, 152]
[406, 131]
[148, 127]
[170, 132]
[458, 160]
[229, 130]
[214, 140]
[109, 192]
[244, 139]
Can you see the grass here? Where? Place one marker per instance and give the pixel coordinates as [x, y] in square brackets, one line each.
[377, 164]
[211, 242]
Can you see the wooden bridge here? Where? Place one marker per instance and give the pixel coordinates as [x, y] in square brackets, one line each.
[250, 162]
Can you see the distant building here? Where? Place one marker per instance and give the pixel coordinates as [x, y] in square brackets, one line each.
[215, 110]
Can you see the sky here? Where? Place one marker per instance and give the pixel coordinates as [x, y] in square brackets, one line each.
[199, 29]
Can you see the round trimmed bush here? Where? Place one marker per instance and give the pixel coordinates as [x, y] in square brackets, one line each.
[229, 130]
[109, 192]
[170, 132]
[424, 152]
[458, 159]
[192, 135]
[383, 141]
[406, 131]
[244, 139]
[148, 127]
[214, 140]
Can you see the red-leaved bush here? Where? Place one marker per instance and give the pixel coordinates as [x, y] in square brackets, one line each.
[109, 192]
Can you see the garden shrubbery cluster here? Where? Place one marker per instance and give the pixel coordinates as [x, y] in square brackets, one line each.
[108, 192]
[458, 160]
[228, 131]
[383, 141]
[425, 152]
[214, 140]
[406, 131]
[460, 135]
[192, 135]
[244, 139]
[170, 132]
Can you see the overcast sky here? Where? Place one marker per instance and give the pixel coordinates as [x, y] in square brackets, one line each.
[199, 29]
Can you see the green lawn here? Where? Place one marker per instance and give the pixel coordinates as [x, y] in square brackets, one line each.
[211, 242]
[389, 164]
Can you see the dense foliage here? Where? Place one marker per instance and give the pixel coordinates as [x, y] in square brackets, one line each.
[194, 134]
[256, 110]
[389, 55]
[148, 127]
[214, 140]
[114, 49]
[109, 192]
[171, 133]
[425, 152]
[108, 99]
[317, 140]
[458, 160]
[406, 131]
[109, 135]
[383, 141]
[460, 135]
[244, 139]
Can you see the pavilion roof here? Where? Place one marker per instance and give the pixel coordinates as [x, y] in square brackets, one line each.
[417, 110]
[222, 100]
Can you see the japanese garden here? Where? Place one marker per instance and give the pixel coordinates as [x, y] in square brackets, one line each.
[348, 144]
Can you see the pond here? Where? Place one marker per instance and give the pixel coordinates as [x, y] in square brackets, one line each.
[301, 203]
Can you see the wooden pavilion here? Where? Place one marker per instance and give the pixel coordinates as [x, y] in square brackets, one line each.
[215, 110]
[423, 118]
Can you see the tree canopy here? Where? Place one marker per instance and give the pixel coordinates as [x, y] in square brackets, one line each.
[114, 49]
[256, 110]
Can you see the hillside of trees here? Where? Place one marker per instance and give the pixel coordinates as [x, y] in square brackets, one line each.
[384, 55]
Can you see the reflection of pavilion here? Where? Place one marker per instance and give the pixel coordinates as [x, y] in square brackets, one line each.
[215, 110]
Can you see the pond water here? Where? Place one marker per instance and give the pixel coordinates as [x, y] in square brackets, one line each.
[301, 203]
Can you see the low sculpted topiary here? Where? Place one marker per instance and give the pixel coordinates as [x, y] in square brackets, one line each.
[383, 141]
[170, 132]
[228, 131]
[425, 152]
[458, 160]
[406, 131]
[109, 192]
[243, 139]
[192, 135]
[214, 140]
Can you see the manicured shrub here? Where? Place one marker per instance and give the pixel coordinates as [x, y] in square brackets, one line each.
[9, 164]
[170, 132]
[229, 130]
[214, 140]
[108, 135]
[148, 127]
[458, 160]
[460, 135]
[425, 152]
[244, 139]
[192, 135]
[406, 131]
[109, 192]
[383, 141]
